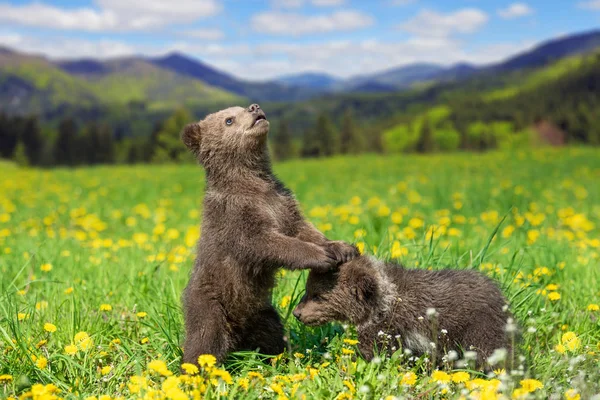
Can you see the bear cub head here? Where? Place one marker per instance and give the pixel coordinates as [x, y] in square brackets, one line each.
[350, 294]
[227, 134]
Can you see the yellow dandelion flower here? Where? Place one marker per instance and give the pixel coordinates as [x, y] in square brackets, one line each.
[46, 267]
[142, 314]
[22, 316]
[68, 290]
[106, 370]
[285, 301]
[244, 383]
[190, 369]
[351, 342]
[560, 348]
[531, 385]
[552, 287]
[71, 349]
[6, 378]
[593, 307]
[440, 376]
[144, 340]
[207, 360]
[105, 307]
[48, 327]
[41, 363]
[83, 341]
[257, 375]
[554, 296]
[409, 378]
[350, 386]
[361, 247]
[223, 375]
[460, 377]
[160, 367]
[572, 394]
[298, 355]
[570, 340]
[41, 343]
[347, 351]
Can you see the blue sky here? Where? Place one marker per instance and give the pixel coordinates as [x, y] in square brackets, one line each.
[262, 39]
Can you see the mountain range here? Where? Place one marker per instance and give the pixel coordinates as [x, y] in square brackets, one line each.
[35, 84]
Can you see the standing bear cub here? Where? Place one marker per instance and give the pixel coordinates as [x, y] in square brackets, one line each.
[427, 312]
[251, 226]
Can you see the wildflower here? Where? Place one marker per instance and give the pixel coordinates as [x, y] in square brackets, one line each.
[351, 342]
[22, 316]
[41, 343]
[207, 360]
[106, 370]
[68, 290]
[160, 367]
[298, 355]
[244, 383]
[41, 363]
[347, 351]
[554, 296]
[532, 236]
[257, 375]
[531, 385]
[572, 394]
[285, 301]
[570, 340]
[223, 375]
[440, 376]
[460, 377]
[48, 327]
[6, 378]
[350, 386]
[105, 307]
[144, 340]
[189, 369]
[71, 349]
[83, 341]
[409, 378]
[142, 314]
[593, 307]
[46, 267]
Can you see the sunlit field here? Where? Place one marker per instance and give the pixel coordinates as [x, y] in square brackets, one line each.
[93, 263]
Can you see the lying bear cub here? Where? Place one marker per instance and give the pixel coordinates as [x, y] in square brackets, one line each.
[424, 311]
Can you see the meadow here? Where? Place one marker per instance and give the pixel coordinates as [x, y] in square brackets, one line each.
[93, 262]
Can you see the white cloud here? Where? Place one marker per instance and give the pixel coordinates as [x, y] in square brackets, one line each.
[300, 3]
[205, 34]
[515, 10]
[278, 23]
[431, 23]
[110, 15]
[268, 60]
[66, 47]
[590, 5]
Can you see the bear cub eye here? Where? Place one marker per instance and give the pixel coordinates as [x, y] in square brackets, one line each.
[229, 121]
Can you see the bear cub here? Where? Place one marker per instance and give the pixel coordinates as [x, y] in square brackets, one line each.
[251, 226]
[426, 312]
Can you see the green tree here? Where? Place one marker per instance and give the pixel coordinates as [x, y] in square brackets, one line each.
[283, 141]
[351, 140]
[169, 147]
[20, 155]
[310, 144]
[65, 146]
[31, 137]
[327, 136]
[446, 139]
[425, 143]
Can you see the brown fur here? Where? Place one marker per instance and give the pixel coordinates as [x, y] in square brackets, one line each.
[386, 298]
[251, 226]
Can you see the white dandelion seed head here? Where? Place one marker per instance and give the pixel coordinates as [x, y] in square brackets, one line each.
[497, 356]
[431, 312]
[452, 355]
[470, 355]
[376, 360]
[444, 331]
[364, 389]
[531, 329]
[420, 318]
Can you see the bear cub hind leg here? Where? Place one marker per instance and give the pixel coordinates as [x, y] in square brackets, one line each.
[264, 332]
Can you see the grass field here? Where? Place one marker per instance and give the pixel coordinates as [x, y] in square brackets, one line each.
[93, 262]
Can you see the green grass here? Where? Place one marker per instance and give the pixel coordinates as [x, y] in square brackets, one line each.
[87, 250]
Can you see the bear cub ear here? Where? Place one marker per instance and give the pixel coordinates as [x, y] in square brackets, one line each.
[191, 135]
